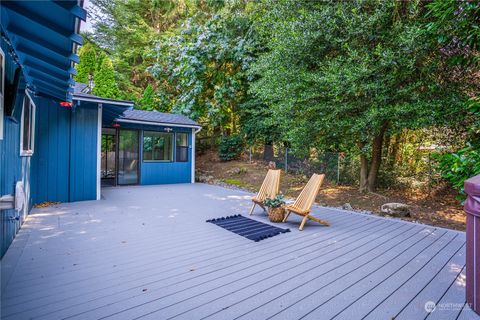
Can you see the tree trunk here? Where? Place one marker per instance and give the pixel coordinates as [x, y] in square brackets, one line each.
[369, 171]
[392, 156]
[268, 151]
[363, 173]
[376, 158]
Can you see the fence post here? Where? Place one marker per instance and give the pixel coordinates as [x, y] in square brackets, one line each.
[286, 159]
[472, 209]
[338, 168]
[250, 154]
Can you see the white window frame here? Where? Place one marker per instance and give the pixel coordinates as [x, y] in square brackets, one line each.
[187, 146]
[172, 152]
[2, 94]
[28, 153]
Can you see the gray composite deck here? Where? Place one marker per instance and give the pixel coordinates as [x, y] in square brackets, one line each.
[146, 252]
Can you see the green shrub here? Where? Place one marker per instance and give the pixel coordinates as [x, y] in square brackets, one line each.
[230, 147]
[458, 166]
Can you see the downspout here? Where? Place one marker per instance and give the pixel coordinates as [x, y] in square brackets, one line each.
[99, 150]
[194, 132]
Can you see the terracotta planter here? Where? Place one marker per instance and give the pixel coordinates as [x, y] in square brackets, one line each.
[276, 214]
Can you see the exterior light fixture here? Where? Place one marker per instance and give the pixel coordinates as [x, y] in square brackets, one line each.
[66, 104]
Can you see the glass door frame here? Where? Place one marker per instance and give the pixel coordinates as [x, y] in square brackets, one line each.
[117, 156]
[115, 160]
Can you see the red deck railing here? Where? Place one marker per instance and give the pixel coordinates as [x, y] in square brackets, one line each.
[472, 208]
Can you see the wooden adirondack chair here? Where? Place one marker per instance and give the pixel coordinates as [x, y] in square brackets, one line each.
[269, 189]
[304, 202]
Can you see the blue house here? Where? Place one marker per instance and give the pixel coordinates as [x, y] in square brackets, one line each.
[58, 142]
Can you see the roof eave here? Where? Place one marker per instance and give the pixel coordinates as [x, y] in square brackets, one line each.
[106, 101]
[154, 123]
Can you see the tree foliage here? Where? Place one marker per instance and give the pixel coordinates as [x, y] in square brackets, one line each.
[88, 62]
[128, 30]
[456, 25]
[456, 167]
[340, 75]
[201, 69]
[104, 78]
[96, 63]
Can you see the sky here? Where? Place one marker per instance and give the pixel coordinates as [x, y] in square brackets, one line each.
[86, 26]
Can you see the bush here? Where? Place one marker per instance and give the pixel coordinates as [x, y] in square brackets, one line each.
[230, 147]
[458, 166]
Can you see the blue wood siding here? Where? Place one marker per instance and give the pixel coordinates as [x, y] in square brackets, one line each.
[51, 157]
[83, 154]
[152, 172]
[13, 168]
[65, 162]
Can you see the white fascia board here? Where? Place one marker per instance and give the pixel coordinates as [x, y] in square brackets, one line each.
[163, 124]
[119, 103]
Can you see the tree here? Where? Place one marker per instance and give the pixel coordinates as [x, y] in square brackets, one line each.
[104, 79]
[259, 125]
[201, 70]
[149, 100]
[338, 75]
[456, 25]
[128, 31]
[88, 62]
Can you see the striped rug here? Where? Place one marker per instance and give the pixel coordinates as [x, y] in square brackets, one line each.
[248, 228]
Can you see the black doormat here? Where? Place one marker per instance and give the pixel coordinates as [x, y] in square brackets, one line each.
[248, 228]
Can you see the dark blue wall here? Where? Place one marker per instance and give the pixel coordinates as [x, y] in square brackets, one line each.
[51, 158]
[83, 153]
[167, 172]
[65, 159]
[152, 172]
[13, 168]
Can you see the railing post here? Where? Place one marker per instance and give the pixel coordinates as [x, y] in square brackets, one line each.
[472, 209]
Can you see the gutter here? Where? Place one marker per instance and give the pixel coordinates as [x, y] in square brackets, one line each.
[164, 124]
[115, 102]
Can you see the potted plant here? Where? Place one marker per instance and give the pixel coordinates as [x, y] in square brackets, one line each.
[275, 205]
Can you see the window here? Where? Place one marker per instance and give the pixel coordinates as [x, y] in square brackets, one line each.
[2, 90]
[27, 132]
[182, 147]
[157, 146]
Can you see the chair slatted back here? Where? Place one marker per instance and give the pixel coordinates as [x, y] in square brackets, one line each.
[306, 198]
[270, 186]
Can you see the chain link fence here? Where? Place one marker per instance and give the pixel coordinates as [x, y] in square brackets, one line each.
[328, 163]
[414, 169]
[341, 168]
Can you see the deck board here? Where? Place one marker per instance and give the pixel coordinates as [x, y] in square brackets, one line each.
[145, 252]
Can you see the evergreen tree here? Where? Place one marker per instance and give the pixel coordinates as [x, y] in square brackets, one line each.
[148, 100]
[104, 78]
[88, 62]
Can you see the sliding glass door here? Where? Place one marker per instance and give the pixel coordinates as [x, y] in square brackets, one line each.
[128, 156]
[108, 161]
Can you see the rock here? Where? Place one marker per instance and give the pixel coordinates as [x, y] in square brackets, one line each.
[400, 210]
[204, 179]
[347, 206]
[237, 171]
